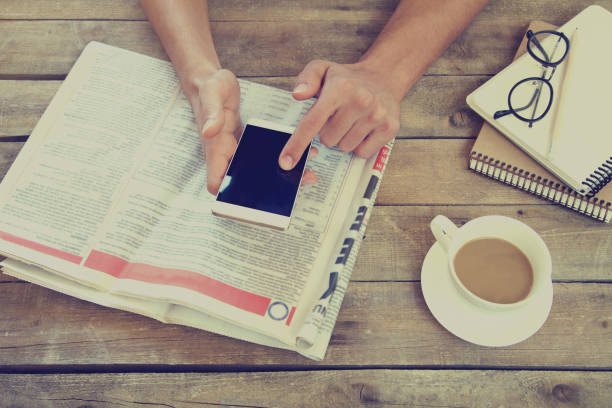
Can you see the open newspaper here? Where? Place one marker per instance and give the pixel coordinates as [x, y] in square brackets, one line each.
[107, 202]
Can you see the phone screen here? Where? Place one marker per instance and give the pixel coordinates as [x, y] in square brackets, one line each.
[255, 180]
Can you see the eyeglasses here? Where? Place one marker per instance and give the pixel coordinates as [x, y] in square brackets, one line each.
[530, 99]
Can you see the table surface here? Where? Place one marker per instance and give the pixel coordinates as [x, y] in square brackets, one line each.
[387, 348]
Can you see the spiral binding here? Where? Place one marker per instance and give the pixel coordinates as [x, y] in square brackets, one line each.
[548, 189]
[599, 178]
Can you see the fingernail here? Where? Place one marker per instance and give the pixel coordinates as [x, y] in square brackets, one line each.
[286, 162]
[300, 88]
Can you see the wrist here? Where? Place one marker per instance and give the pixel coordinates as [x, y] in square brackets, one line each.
[391, 76]
[193, 77]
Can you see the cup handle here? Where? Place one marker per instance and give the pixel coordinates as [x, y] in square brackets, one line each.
[443, 230]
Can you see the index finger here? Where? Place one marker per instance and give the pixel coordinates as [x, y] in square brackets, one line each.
[307, 129]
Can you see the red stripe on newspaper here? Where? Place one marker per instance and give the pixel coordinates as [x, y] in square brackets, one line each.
[290, 316]
[381, 159]
[41, 248]
[215, 289]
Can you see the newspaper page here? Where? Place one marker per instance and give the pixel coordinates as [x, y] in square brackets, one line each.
[109, 192]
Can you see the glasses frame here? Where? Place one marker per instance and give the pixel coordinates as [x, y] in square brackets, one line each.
[542, 80]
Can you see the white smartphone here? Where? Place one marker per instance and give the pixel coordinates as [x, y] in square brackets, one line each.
[255, 188]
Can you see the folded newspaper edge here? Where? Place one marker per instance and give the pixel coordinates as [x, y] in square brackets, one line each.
[326, 310]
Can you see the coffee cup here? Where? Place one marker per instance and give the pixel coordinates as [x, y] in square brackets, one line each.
[496, 262]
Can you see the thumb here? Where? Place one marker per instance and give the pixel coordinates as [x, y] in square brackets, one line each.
[310, 80]
[213, 119]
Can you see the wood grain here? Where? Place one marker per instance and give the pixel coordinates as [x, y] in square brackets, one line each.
[381, 323]
[22, 103]
[434, 172]
[398, 238]
[224, 10]
[387, 349]
[350, 388]
[250, 48]
[8, 153]
[282, 10]
[434, 107]
[50, 47]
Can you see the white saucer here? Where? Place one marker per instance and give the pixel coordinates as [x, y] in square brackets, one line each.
[471, 323]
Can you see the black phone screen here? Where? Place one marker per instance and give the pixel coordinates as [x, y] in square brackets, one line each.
[255, 180]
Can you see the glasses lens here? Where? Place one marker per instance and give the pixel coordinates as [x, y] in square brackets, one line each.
[530, 99]
[548, 48]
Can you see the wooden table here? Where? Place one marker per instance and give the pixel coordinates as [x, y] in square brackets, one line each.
[387, 349]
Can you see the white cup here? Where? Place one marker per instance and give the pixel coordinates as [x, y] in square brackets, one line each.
[451, 239]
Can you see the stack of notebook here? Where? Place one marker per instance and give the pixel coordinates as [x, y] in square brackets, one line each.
[581, 159]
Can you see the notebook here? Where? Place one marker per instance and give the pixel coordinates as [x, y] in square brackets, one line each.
[494, 156]
[574, 140]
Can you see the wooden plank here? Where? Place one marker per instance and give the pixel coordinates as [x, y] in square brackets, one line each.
[281, 10]
[22, 103]
[398, 238]
[435, 106]
[350, 388]
[8, 153]
[6, 278]
[71, 9]
[381, 323]
[420, 172]
[251, 48]
[219, 10]
[43, 48]
[435, 172]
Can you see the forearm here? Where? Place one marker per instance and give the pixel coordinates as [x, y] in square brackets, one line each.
[416, 35]
[184, 31]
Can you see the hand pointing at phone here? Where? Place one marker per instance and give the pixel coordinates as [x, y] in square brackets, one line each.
[355, 111]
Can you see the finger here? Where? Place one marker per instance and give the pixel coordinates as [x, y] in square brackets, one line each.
[310, 80]
[218, 153]
[314, 152]
[355, 136]
[220, 97]
[377, 139]
[338, 126]
[232, 123]
[307, 129]
[309, 178]
[213, 117]
[362, 129]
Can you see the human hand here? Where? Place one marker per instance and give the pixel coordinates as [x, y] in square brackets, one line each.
[357, 110]
[215, 98]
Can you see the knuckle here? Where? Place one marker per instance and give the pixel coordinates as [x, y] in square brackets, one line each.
[377, 115]
[345, 85]
[226, 74]
[315, 62]
[394, 126]
[390, 126]
[333, 69]
[363, 98]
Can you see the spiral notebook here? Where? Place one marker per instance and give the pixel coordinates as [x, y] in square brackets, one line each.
[494, 156]
[574, 140]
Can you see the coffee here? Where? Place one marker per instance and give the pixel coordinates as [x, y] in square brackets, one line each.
[494, 270]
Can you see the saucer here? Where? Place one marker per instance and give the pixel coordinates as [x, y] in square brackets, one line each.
[471, 323]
